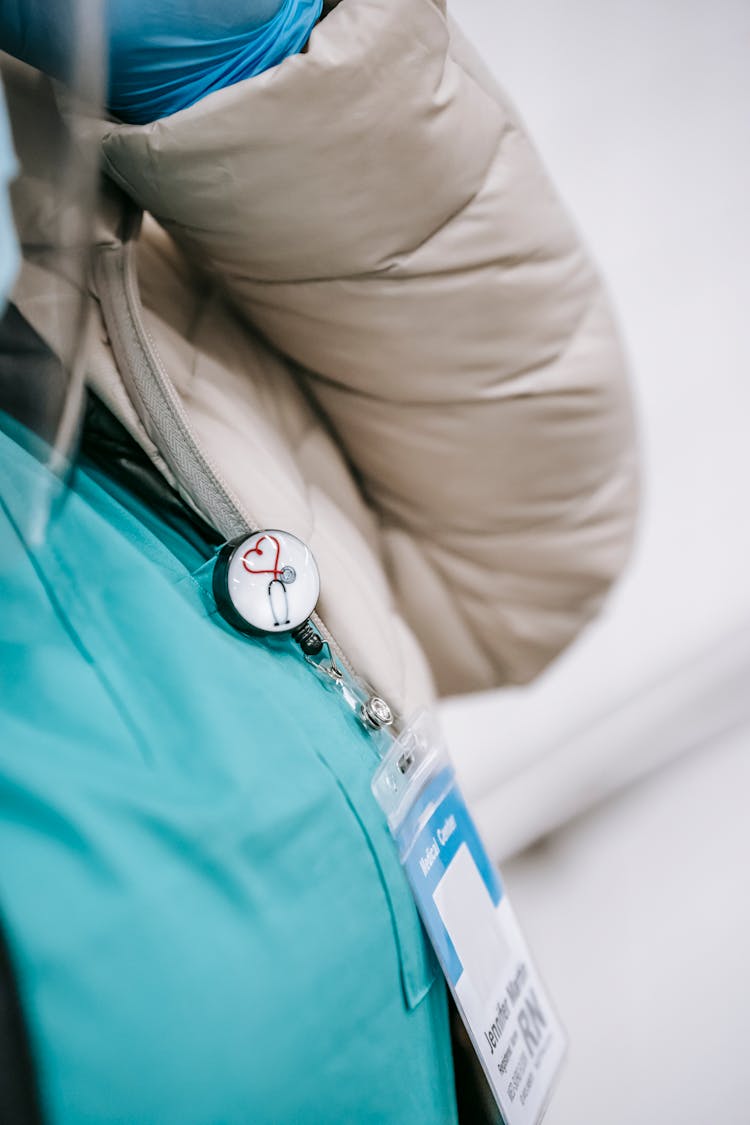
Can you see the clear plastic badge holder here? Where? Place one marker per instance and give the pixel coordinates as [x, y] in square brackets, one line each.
[470, 923]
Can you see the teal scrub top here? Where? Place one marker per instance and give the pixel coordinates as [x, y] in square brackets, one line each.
[205, 910]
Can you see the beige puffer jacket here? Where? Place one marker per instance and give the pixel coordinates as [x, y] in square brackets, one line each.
[403, 354]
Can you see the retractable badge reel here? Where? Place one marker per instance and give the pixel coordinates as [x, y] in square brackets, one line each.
[267, 583]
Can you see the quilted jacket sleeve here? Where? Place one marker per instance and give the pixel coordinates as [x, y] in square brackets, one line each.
[377, 211]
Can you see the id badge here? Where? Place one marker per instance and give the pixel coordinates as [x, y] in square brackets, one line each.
[470, 923]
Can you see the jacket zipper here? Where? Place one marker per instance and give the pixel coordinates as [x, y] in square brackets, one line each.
[158, 405]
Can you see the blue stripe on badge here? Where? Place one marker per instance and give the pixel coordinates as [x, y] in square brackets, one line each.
[449, 826]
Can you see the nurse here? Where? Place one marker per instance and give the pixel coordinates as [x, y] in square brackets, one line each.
[204, 915]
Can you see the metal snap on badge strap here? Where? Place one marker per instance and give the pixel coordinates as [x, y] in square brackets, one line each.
[376, 713]
[267, 583]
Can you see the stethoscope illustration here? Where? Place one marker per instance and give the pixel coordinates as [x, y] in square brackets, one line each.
[282, 577]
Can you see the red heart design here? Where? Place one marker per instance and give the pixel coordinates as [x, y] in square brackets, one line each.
[256, 550]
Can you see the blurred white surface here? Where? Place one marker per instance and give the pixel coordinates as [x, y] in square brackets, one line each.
[641, 114]
[639, 910]
[638, 915]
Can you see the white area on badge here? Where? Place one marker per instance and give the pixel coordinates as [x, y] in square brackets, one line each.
[469, 916]
[504, 1004]
[273, 581]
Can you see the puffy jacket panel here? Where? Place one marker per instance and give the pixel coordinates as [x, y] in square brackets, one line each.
[374, 208]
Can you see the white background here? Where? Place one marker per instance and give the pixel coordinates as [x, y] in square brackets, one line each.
[639, 910]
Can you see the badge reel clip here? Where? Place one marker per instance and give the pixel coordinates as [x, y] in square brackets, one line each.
[266, 584]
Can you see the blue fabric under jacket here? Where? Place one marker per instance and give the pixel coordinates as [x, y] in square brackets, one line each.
[164, 56]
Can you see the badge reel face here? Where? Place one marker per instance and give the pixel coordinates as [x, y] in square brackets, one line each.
[266, 583]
